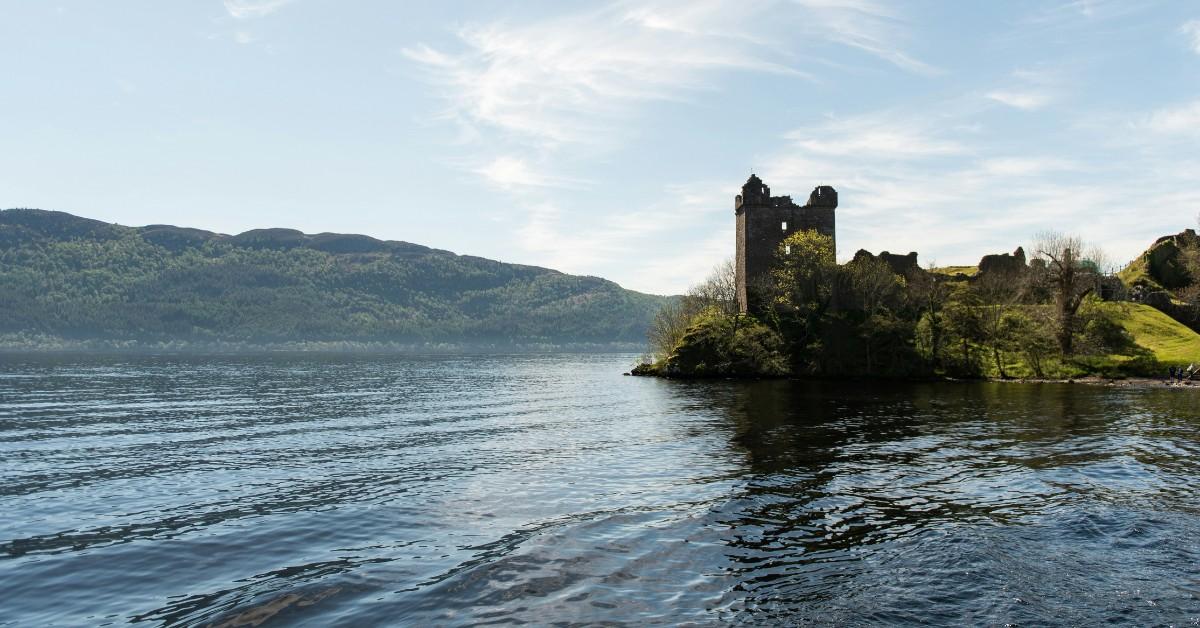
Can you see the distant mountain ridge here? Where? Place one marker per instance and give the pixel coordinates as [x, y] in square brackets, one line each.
[63, 277]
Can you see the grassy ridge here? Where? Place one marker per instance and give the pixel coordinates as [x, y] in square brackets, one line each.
[1157, 342]
[1170, 341]
[968, 271]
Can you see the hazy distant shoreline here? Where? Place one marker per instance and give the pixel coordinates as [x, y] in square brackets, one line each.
[58, 345]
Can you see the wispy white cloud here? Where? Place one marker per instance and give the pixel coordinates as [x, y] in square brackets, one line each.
[1192, 31]
[661, 247]
[567, 80]
[869, 26]
[1175, 121]
[243, 37]
[245, 9]
[1021, 100]
[981, 198]
[1029, 90]
[872, 137]
[1078, 13]
[572, 79]
[579, 82]
[510, 172]
[1021, 166]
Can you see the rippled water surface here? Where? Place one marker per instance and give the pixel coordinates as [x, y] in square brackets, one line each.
[319, 490]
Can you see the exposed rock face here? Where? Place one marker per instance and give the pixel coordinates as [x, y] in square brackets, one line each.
[1156, 275]
[1163, 263]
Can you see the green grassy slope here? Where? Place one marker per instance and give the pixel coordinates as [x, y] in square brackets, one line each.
[1137, 273]
[969, 271]
[1159, 341]
[1170, 341]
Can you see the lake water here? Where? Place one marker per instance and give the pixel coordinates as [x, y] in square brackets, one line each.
[318, 490]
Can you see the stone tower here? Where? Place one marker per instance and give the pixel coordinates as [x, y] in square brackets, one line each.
[763, 221]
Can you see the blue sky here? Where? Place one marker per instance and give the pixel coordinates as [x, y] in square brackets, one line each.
[609, 138]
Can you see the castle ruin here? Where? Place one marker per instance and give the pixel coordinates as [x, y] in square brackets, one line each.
[764, 221]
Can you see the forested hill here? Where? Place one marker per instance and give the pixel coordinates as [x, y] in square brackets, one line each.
[69, 279]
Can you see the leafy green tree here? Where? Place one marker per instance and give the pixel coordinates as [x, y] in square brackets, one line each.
[964, 332]
[998, 293]
[804, 286]
[876, 288]
[928, 293]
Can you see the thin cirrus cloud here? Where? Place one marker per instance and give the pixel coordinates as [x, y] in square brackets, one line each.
[567, 80]
[573, 79]
[1182, 120]
[245, 9]
[550, 231]
[1027, 100]
[1192, 31]
[866, 25]
[510, 173]
[577, 83]
[1028, 90]
[985, 199]
[873, 136]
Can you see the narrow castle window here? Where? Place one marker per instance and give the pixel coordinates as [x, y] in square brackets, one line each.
[783, 226]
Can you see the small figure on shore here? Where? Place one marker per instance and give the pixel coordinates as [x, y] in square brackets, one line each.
[1170, 375]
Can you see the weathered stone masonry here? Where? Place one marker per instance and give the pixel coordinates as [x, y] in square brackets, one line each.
[763, 221]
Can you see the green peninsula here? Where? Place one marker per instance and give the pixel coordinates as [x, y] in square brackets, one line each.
[1054, 315]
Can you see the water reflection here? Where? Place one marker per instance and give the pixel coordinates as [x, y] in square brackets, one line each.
[446, 490]
[936, 503]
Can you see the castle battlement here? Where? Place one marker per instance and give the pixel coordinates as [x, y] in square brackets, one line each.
[764, 221]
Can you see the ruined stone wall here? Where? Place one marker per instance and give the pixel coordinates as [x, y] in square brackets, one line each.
[1003, 263]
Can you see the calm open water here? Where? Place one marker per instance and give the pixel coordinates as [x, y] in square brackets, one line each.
[318, 490]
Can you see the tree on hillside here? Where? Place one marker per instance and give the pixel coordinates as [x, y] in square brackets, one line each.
[668, 326]
[718, 291]
[929, 293]
[998, 291]
[803, 284]
[876, 288]
[964, 330]
[1071, 273]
